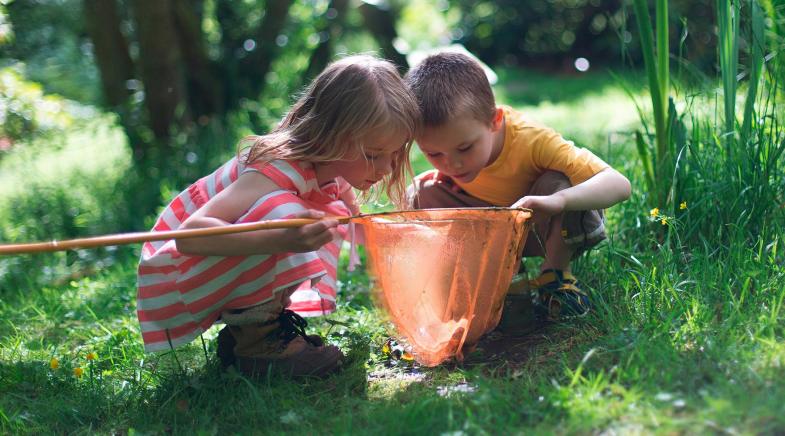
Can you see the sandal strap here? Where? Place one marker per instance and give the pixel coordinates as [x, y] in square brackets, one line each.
[570, 287]
[549, 276]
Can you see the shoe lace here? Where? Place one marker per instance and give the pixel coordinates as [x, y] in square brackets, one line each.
[293, 325]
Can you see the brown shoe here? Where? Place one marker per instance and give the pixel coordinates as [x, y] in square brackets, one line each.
[306, 361]
[280, 346]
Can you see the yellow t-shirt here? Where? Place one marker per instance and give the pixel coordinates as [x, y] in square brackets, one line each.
[528, 151]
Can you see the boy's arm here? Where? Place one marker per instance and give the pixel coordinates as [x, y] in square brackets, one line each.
[233, 202]
[603, 190]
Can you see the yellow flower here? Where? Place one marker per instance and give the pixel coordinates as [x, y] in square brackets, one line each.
[54, 363]
[664, 221]
[78, 372]
[683, 205]
[654, 212]
[91, 356]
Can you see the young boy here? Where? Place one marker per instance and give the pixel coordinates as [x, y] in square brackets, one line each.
[488, 155]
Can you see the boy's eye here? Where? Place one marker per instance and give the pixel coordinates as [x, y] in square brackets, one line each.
[466, 148]
[432, 154]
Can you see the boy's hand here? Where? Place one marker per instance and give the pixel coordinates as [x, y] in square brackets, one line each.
[544, 206]
[309, 237]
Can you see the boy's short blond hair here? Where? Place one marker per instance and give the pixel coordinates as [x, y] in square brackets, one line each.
[448, 85]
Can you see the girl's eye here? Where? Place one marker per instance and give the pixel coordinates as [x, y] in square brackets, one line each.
[432, 154]
[370, 157]
[467, 148]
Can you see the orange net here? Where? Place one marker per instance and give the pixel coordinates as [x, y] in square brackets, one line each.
[442, 274]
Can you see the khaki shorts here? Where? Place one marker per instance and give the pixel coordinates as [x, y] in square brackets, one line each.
[581, 230]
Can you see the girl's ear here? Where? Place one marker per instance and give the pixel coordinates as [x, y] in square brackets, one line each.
[498, 119]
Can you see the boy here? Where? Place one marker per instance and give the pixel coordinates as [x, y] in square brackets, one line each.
[488, 155]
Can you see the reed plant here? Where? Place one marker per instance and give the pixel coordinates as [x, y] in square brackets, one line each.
[709, 177]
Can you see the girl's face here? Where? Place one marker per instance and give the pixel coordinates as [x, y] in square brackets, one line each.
[374, 161]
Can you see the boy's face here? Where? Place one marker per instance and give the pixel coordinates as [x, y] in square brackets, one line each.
[463, 146]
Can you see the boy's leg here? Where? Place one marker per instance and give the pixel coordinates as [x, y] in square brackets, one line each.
[565, 236]
[559, 241]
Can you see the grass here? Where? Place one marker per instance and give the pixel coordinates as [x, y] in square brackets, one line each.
[686, 338]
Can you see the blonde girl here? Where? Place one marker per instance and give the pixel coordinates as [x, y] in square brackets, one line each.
[351, 128]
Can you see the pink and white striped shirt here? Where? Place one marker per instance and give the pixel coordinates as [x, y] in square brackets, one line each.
[180, 296]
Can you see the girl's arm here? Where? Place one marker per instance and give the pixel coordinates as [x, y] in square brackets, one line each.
[603, 190]
[232, 203]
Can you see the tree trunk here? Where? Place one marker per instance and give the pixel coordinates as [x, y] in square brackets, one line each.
[331, 29]
[381, 23]
[110, 49]
[203, 88]
[231, 25]
[160, 65]
[254, 68]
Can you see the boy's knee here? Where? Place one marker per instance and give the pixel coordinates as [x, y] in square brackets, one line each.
[425, 194]
[550, 182]
[580, 230]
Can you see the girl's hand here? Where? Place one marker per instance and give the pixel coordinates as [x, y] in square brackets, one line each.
[309, 237]
[544, 206]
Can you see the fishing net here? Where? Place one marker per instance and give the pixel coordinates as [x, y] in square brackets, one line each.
[442, 274]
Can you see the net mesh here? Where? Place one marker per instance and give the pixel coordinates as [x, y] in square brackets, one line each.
[442, 274]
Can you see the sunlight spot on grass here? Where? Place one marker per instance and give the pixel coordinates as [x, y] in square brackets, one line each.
[461, 388]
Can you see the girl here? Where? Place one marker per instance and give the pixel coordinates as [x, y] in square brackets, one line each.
[352, 127]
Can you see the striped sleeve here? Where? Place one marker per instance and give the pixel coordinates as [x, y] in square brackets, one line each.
[286, 174]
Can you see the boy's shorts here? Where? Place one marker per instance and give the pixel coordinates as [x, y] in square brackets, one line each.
[581, 229]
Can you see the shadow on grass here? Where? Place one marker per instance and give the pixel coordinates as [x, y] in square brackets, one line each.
[212, 398]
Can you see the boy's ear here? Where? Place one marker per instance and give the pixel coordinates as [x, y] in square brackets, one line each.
[498, 119]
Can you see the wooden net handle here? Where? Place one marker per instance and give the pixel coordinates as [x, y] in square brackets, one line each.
[131, 238]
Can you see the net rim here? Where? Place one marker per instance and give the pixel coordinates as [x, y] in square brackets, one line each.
[495, 210]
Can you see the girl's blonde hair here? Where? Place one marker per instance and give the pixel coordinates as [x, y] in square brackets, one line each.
[351, 98]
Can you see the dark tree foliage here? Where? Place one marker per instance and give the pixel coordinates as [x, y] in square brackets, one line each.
[51, 38]
[329, 27]
[380, 19]
[551, 34]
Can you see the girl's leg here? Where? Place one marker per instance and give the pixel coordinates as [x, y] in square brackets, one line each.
[269, 337]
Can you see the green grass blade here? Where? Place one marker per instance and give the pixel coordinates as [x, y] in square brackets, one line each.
[756, 65]
[728, 23]
[658, 93]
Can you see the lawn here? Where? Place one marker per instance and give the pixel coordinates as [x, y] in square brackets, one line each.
[686, 337]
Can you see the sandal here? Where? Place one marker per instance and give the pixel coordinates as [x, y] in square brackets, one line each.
[557, 296]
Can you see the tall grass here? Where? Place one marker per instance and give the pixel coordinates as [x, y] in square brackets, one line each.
[728, 17]
[657, 164]
[715, 179]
